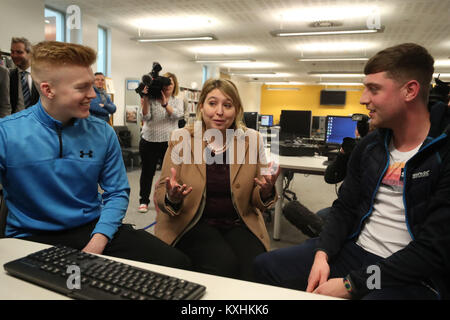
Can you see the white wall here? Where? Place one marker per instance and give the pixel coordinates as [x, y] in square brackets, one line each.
[129, 59]
[21, 18]
[250, 93]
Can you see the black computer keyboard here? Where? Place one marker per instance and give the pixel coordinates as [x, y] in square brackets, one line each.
[56, 268]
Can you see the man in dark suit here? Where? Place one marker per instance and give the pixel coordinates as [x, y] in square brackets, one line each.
[23, 92]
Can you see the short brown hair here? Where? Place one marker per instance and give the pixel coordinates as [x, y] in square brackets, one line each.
[54, 53]
[405, 62]
[25, 42]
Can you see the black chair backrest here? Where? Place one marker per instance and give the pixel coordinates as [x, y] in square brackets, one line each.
[124, 136]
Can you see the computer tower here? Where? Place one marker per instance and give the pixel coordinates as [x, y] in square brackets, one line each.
[318, 126]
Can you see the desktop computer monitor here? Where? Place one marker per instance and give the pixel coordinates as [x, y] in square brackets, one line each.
[251, 120]
[295, 123]
[266, 120]
[338, 128]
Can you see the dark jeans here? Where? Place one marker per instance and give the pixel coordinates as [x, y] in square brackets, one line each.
[127, 243]
[224, 251]
[290, 267]
[150, 153]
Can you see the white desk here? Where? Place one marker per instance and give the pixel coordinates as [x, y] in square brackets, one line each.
[306, 165]
[217, 288]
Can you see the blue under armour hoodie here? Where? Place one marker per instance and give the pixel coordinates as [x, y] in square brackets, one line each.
[50, 174]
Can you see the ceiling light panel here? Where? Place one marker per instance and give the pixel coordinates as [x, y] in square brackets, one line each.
[216, 50]
[442, 63]
[328, 13]
[330, 59]
[335, 46]
[182, 23]
[282, 33]
[251, 65]
[226, 61]
[260, 75]
[337, 75]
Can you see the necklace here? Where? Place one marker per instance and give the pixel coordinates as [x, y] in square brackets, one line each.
[219, 150]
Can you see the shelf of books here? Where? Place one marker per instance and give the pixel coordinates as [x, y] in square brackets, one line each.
[190, 96]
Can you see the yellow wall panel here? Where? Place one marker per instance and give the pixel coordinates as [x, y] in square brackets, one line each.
[308, 98]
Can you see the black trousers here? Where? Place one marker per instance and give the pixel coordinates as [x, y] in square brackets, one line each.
[222, 251]
[150, 153]
[128, 243]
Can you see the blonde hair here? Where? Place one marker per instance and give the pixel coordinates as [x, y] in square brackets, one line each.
[229, 89]
[52, 53]
[176, 88]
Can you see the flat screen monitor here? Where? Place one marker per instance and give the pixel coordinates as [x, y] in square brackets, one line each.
[251, 120]
[332, 98]
[296, 123]
[266, 120]
[338, 128]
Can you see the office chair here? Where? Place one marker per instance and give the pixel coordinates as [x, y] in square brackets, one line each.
[3, 214]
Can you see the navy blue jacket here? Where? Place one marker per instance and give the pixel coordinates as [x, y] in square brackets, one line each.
[426, 196]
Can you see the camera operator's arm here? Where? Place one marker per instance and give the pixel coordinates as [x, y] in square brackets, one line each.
[145, 105]
[174, 107]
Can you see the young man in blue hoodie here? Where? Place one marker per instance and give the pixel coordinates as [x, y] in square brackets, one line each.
[53, 156]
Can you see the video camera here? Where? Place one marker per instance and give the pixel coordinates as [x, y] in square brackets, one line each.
[439, 92]
[154, 82]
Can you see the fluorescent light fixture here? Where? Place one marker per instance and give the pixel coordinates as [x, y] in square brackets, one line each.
[284, 33]
[336, 74]
[442, 63]
[441, 75]
[176, 23]
[223, 49]
[284, 83]
[340, 83]
[330, 59]
[208, 37]
[224, 60]
[251, 65]
[246, 72]
[324, 12]
[337, 46]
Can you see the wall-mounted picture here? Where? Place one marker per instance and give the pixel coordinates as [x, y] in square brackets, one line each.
[131, 114]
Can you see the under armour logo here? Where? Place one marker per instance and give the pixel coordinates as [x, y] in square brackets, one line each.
[82, 153]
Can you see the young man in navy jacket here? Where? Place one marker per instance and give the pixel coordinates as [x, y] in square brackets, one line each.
[388, 232]
[53, 156]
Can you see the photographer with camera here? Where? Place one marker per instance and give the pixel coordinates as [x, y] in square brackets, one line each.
[160, 112]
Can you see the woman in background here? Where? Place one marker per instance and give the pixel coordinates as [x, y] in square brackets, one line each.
[160, 117]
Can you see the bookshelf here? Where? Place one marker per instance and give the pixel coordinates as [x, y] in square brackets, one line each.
[190, 98]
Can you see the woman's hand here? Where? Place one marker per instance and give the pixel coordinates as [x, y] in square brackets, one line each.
[175, 191]
[164, 99]
[268, 180]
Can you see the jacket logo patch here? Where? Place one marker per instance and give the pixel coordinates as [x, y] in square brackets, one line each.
[422, 174]
[89, 154]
